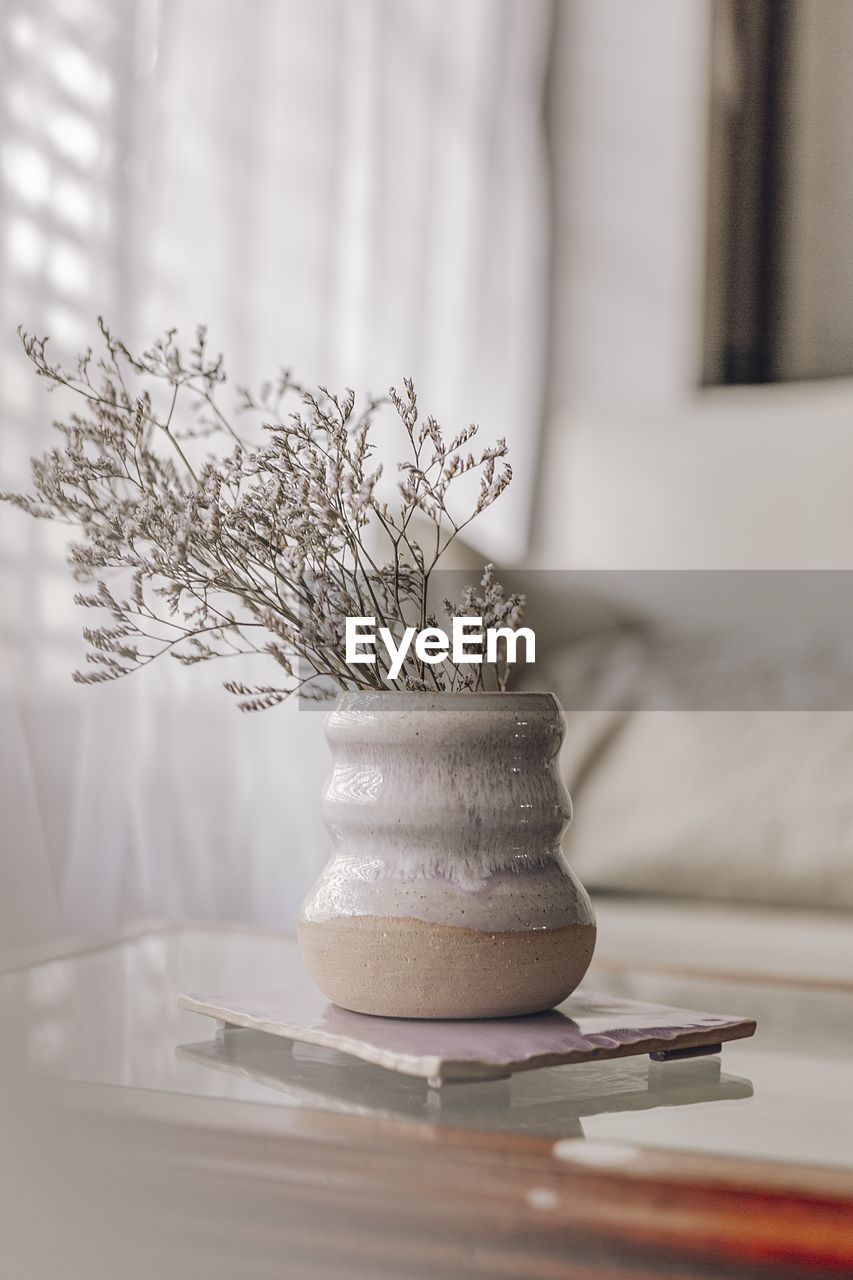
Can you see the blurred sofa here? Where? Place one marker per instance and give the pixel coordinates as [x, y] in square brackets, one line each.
[718, 820]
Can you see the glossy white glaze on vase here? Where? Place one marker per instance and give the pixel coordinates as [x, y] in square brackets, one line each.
[448, 895]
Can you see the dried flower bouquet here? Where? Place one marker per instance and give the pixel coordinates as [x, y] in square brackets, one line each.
[202, 543]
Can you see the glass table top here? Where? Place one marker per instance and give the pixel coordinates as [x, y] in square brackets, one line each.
[109, 1016]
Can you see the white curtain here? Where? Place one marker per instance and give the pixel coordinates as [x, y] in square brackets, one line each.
[354, 188]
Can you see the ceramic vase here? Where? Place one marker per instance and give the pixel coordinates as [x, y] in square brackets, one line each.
[447, 895]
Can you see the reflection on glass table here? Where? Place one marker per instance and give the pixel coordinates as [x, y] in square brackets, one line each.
[108, 1016]
[233, 1154]
[549, 1101]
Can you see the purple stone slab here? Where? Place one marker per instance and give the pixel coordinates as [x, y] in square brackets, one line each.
[585, 1027]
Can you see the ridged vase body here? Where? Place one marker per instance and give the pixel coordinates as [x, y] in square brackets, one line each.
[448, 895]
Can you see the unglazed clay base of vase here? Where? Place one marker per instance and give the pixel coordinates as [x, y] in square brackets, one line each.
[406, 968]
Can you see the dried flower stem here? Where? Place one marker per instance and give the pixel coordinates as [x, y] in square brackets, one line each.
[260, 547]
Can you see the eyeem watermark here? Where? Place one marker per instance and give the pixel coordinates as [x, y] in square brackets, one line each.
[468, 642]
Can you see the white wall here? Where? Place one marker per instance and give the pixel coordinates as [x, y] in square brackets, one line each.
[628, 114]
[641, 468]
[629, 123]
[737, 478]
